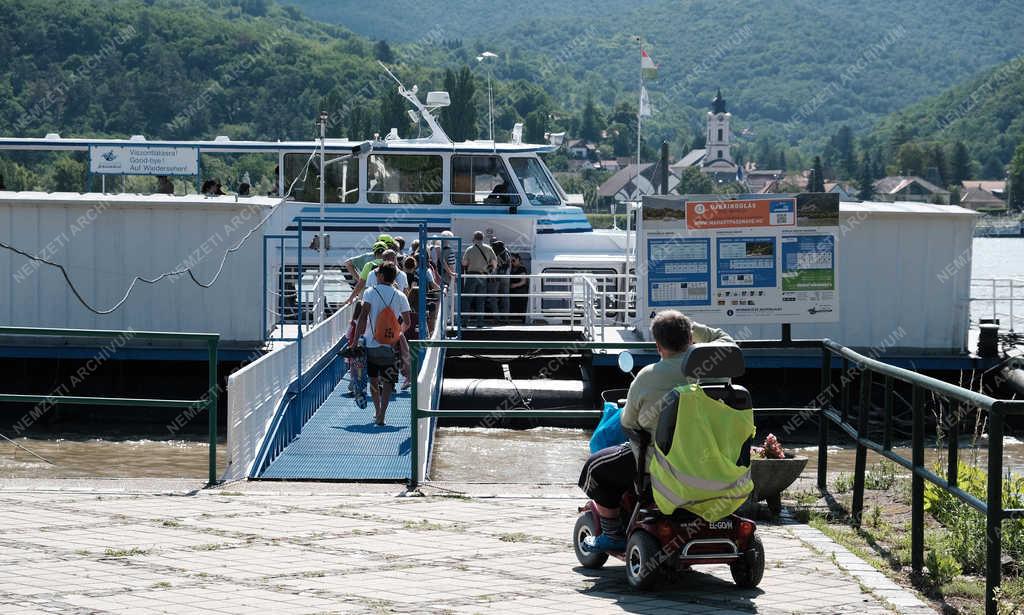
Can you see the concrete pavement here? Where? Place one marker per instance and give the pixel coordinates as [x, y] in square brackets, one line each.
[123, 546]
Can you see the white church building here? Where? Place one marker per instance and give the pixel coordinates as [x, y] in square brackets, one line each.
[715, 158]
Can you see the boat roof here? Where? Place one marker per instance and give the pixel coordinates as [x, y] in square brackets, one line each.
[905, 207]
[129, 198]
[226, 145]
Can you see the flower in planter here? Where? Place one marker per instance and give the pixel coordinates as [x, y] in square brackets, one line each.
[771, 449]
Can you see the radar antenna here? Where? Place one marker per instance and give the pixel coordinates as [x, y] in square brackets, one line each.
[435, 101]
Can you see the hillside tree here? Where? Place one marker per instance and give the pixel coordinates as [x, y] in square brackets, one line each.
[866, 184]
[459, 118]
[535, 126]
[1015, 180]
[692, 181]
[960, 165]
[590, 122]
[816, 180]
[383, 52]
[910, 159]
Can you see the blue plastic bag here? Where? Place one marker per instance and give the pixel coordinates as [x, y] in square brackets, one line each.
[609, 431]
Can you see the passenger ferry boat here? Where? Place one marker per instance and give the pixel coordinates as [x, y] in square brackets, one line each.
[394, 184]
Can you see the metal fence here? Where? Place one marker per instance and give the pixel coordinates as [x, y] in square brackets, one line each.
[999, 299]
[864, 369]
[209, 401]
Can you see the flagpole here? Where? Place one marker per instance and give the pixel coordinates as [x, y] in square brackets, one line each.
[639, 114]
[636, 178]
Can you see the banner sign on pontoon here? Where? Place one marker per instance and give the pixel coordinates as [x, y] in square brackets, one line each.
[748, 259]
[143, 160]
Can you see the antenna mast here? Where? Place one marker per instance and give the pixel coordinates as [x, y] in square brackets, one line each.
[438, 134]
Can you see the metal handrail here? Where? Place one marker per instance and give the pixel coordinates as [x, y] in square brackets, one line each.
[856, 365]
[209, 401]
[994, 285]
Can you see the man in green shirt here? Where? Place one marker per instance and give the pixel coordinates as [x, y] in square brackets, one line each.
[609, 472]
[378, 253]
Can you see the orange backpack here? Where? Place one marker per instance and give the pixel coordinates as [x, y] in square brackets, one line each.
[386, 329]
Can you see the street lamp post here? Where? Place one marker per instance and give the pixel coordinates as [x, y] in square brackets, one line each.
[490, 101]
[323, 201]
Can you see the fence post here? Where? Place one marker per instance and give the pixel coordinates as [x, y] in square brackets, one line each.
[211, 406]
[860, 460]
[844, 382]
[826, 388]
[917, 484]
[953, 454]
[887, 420]
[994, 508]
[414, 423]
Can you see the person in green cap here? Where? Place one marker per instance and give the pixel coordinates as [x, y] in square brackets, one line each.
[378, 252]
[388, 240]
[354, 265]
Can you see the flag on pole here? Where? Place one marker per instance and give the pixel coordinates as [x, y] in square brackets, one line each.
[647, 65]
[645, 103]
[646, 62]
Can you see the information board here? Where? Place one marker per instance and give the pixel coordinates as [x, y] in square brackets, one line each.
[143, 160]
[745, 259]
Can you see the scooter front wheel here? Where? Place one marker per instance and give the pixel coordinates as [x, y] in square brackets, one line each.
[586, 526]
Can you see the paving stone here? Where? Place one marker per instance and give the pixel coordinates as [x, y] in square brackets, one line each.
[355, 552]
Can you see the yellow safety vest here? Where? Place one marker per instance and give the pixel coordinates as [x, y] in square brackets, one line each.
[699, 473]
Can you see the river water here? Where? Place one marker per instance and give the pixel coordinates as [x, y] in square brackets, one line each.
[540, 455]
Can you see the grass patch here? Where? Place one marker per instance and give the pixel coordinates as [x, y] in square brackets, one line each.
[111, 552]
[881, 476]
[423, 524]
[170, 523]
[162, 585]
[843, 483]
[806, 497]
[514, 537]
[208, 547]
[953, 573]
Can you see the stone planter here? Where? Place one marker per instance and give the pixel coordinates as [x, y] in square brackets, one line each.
[772, 476]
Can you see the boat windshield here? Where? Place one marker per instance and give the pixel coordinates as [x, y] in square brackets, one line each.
[536, 183]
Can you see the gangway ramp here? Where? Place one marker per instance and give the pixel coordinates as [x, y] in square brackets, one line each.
[341, 442]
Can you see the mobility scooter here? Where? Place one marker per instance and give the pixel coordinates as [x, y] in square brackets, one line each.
[658, 544]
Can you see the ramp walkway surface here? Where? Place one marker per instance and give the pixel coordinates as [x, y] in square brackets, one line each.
[341, 442]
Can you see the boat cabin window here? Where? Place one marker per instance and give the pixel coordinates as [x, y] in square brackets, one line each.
[307, 188]
[536, 183]
[396, 178]
[482, 180]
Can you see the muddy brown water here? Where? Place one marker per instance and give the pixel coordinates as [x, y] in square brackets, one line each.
[539, 455]
[96, 458]
[554, 455]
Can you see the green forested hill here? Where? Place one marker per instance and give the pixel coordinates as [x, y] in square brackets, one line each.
[181, 69]
[170, 68]
[790, 70]
[793, 72]
[985, 113]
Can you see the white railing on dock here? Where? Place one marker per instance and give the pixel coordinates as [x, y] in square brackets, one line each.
[611, 304]
[998, 299]
[256, 390]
